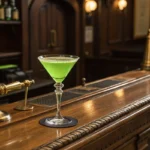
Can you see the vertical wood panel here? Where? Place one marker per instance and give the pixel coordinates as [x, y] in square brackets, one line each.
[43, 27]
[128, 21]
[59, 24]
[103, 25]
[115, 22]
[25, 35]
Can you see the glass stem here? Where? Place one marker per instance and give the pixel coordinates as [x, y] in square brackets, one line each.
[58, 93]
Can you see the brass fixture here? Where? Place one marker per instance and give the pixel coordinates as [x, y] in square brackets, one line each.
[146, 61]
[4, 89]
[25, 106]
[83, 82]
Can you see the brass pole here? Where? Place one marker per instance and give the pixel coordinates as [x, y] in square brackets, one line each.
[146, 61]
[25, 106]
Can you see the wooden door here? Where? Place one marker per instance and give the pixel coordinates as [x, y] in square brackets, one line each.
[48, 28]
[52, 31]
[58, 29]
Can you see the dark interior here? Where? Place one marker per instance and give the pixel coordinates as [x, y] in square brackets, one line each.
[106, 40]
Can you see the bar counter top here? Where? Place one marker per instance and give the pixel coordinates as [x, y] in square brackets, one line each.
[104, 112]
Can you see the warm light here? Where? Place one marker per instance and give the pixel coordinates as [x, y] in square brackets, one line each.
[122, 4]
[90, 5]
[58, 133]
[89, 108]
[119, 93]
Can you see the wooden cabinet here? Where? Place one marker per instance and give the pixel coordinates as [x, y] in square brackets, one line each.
[45, 27]
[129, 145]
[144, 140]
[14, 38]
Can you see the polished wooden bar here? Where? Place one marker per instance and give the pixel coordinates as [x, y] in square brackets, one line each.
[115, 117]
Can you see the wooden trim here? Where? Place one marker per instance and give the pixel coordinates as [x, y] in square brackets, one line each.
[10, 22]
[25, 35]
[10, 54]
[75, 6]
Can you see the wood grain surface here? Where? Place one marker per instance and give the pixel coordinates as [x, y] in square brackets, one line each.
[24, 131]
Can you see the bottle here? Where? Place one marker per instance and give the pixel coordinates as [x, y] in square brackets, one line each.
[15, 11]
[2, 13]
[7, 11]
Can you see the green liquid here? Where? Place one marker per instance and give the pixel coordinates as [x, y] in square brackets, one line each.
[58, 67]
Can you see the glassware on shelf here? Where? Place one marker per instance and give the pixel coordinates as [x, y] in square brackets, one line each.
[2, 12]
[15, 11]
[8, 9]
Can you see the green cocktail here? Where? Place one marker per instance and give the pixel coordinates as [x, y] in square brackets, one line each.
[58, 67]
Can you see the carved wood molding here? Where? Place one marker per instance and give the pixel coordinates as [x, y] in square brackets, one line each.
[72, 3]
[94, 125]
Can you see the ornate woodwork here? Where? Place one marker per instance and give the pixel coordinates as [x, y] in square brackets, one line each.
[100, 123]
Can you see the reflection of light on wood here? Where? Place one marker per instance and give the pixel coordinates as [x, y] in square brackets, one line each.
[11, 142]
[89, 107]
[148, 87]
[58, 133]
[119, 93]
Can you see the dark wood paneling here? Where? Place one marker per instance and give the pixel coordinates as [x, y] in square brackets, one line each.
[115, 24]
[61, 18]
[43, 26]
[111, 26]
[45, 17]
[25, 35]
[59, 24]
[107, 66]
[128, 22]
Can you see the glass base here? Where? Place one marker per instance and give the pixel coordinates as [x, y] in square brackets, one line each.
[59, 123]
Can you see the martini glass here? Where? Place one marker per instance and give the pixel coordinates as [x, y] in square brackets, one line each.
[58, 67]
